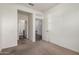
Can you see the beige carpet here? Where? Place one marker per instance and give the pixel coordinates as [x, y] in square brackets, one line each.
[27, 47]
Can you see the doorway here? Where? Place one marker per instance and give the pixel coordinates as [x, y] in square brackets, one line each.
[22, 26]
[25, 26]
[38, 29]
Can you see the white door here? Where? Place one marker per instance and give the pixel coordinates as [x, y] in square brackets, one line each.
[45, 29]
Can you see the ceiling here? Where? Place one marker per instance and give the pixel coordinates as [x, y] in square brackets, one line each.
[40, 6]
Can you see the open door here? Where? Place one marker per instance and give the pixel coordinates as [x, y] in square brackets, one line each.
[38, 29]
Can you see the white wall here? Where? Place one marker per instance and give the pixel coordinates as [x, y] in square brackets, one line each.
[63, 26]
[8, 26]
[0, 30]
